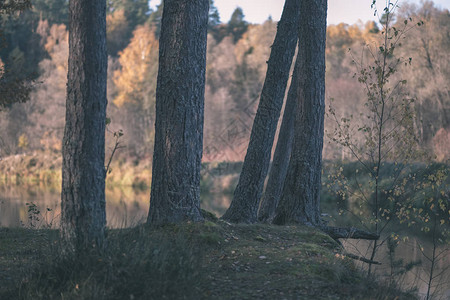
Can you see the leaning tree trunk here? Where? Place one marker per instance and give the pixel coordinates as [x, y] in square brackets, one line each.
[281, 156]
[83, 172]
[299, 202]
[175, 191]
[244, 207]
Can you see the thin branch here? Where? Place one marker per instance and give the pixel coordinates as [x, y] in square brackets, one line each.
[117, 146]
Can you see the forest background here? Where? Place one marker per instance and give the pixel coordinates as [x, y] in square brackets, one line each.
[35, 44]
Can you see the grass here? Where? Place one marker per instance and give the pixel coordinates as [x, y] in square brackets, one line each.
[210, 260]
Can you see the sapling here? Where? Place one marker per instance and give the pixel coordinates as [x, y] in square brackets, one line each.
[384, 138]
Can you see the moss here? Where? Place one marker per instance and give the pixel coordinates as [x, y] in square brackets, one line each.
[209, 216]
[211, 238]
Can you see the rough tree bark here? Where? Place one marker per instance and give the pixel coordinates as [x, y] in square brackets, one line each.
[281, 156]
[244, 207]
[175, 191]
[83, 172]
[299, 202]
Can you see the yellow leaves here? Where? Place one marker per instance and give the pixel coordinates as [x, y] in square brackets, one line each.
[121, 99]
[23, 141]
[57, 46]
[50, 141]
[254, 46]
[441, 205]
[355, 32]
[137, 62]
[57, 35]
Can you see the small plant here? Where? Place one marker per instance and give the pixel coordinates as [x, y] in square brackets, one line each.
[23, 142]
[117, 135]
[33, 214]
[384, 144]
[433, 217]
[397, 266]
[35, 218]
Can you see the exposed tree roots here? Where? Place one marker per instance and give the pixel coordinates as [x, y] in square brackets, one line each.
[353, 256]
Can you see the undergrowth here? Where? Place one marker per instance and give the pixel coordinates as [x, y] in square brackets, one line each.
[210, 260]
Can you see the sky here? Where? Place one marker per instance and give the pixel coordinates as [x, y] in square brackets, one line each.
[347, 11]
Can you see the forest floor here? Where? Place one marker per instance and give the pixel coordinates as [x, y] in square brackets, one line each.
[210, 260]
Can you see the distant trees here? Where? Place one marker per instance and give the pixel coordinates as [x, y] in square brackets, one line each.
[14, 6]
[135, 89]
[237, 25]
[13, 88]
[235, 76]
[46, 108]
[430, 79]
[214, 17]
[123, 16]
[248, 192]
[136, 11]
[118, 31]
[15, 81]
[53, 11]
[175, 190]
[83, 173]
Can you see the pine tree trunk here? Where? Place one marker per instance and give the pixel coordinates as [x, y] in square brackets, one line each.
[300, 200]
[175, 191]
[83, 173]
[281, 156]
[244, 207]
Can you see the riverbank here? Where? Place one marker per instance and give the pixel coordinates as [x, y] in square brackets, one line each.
[45, 168]
[212, 260]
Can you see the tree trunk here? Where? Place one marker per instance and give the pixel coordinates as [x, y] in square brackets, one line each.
[244, 207]
[281, 156]
[175, 191]
[83, 172]
[299, 202]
